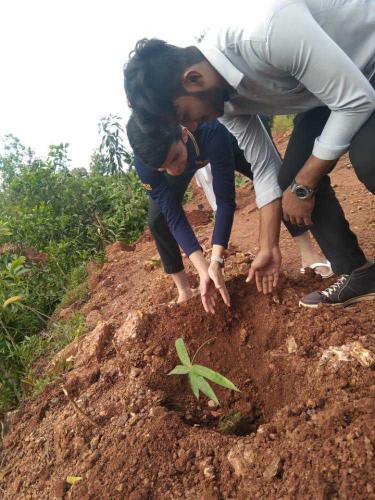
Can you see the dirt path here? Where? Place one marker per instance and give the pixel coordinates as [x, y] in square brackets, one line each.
[299, 429]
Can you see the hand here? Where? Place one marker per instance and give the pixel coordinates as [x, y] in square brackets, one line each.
[208, 292]
[215, 272]
[265, 268]
[297, 211]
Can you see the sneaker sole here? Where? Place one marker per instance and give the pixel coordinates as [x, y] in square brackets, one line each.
[361, 298]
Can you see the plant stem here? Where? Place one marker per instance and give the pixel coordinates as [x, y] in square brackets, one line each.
[8, 335]
[38, 313]
[200, 347]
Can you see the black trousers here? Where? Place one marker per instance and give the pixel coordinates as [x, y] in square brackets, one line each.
[330, 228]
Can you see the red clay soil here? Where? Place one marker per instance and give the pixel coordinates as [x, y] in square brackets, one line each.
[299, 429]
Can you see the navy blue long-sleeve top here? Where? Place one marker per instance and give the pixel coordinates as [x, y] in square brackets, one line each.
[215, 145]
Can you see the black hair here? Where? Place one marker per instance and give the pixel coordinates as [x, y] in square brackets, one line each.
[152, 144]
[152, 77]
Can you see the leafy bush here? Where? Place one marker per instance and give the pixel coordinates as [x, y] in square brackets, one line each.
[53, 220]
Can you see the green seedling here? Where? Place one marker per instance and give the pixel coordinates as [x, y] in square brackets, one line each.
[197, 374]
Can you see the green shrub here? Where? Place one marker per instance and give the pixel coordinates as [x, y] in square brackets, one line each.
[53, 220]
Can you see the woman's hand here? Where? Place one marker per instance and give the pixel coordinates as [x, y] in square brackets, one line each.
[216, 274]
[208, 292]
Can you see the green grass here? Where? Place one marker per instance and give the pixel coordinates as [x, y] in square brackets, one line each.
[35, 352]
[77, 288]
[281, 123]
[240, 179]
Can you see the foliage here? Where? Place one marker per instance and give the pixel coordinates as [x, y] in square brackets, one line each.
[53, 220]
[45, 346]
[281, 123]
[240, 179]
[112, 149]
[197, 374]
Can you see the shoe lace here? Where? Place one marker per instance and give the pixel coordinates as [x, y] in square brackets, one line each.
[336, 286]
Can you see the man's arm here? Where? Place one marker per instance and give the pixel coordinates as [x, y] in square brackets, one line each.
[299, 46]
[265, 267]
[265, 164]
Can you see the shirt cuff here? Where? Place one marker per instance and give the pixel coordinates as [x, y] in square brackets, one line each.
[191, 248]
[267, 197]
[327, 152]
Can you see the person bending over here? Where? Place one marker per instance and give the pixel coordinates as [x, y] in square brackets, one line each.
[166, 161]
[285, 56]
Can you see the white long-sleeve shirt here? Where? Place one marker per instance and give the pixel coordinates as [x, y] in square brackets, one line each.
[289, 56]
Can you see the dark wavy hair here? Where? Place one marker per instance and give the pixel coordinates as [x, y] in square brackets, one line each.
[151, 146]
[152, 77]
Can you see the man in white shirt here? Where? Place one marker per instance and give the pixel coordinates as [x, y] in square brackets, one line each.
[286, 56]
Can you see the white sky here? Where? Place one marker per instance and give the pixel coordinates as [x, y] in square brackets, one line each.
[61, 62]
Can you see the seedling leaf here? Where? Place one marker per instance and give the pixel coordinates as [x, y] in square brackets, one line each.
[179, 370]
[194, 384]
[182, 352]
[205, 387]
[203, 371]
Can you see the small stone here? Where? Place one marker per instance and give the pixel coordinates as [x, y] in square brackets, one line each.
[157, 411]
[209, 472]
[59, 488]
[291, 344]
[120, 488]
[241, 457]
[182, 454]
[274, 469]
[94, 442]
[243, 335]
[212, 404]
[135, 372]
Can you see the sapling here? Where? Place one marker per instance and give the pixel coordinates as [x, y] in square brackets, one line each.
[197, 374]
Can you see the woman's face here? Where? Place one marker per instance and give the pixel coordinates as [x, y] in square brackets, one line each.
[176, 160]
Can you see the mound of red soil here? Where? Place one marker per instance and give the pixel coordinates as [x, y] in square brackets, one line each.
[298, 429]
[305, 430]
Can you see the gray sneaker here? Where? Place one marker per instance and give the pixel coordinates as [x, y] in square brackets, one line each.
[348, 289]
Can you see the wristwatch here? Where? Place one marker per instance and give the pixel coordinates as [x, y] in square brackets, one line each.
[216, 258]
[302, 192]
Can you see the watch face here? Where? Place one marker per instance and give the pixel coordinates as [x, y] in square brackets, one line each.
[301, 192]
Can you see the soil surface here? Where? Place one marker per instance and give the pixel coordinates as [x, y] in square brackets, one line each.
[302, 426]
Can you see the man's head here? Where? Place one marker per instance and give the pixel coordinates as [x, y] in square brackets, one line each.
[160, 148]
[173, 83]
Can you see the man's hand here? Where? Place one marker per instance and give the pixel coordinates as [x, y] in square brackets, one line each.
[266, 268]
[208, 292]
[297, 211]
[215, 272]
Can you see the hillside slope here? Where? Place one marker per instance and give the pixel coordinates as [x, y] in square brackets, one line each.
[298, 429]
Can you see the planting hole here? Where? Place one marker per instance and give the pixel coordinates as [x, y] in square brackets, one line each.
[245, 343]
